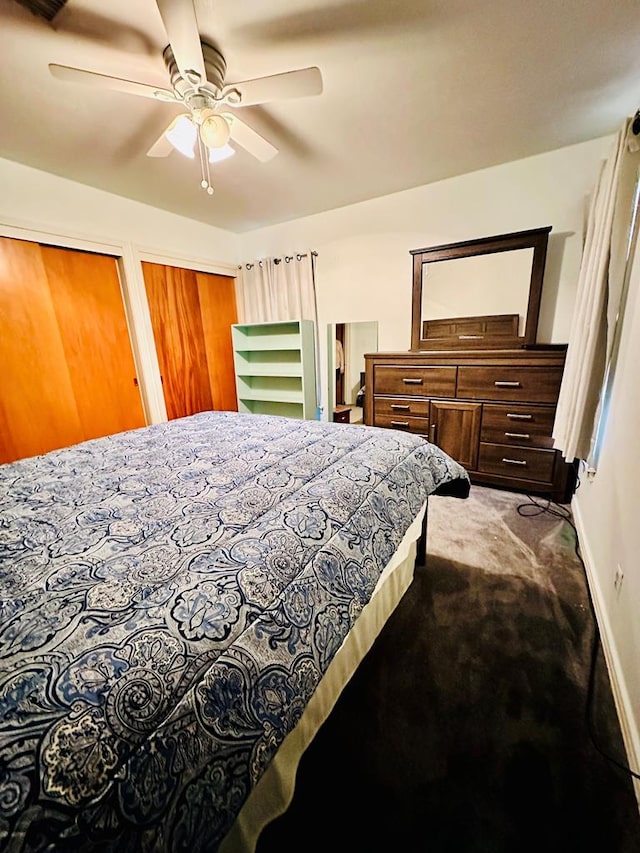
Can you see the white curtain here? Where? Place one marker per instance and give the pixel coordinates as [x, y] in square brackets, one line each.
[597, 301]
[273, 289]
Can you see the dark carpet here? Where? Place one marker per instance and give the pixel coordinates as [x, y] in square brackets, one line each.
[464, 729]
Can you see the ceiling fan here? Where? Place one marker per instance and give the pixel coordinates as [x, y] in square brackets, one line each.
[197, 81]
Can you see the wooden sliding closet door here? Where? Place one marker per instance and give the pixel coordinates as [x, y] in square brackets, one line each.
[93, 326]
[37, 402]
[66, 368]
[191, 315]
[217, 297]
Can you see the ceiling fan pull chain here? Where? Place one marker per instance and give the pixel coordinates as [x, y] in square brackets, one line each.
[206, 160]
[203, 180]
[203, 154]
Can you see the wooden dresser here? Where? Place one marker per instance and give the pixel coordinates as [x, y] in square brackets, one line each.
[491, 410]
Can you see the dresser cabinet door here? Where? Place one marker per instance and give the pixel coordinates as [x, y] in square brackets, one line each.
[455, 428]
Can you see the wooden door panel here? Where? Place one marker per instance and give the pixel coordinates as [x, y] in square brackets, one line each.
[457, 430]
[218, 309]
[85, 289]
[174, 306]
[39, 411]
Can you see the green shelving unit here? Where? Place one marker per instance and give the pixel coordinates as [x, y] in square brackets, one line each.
[275, 368]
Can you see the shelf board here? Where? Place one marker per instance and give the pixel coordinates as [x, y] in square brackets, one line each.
[267, 346]
[272, 397]
[288, 371]
[273, 327]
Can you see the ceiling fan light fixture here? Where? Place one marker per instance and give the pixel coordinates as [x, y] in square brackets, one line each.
[182, 134]
[215, 131]
[217, 155]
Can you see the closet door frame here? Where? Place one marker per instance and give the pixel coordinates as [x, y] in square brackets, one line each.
[129, 259]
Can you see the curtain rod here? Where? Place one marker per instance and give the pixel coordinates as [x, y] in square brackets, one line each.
[287, 259]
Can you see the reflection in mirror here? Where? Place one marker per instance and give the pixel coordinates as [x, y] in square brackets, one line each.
[480, 286]
[346, 345]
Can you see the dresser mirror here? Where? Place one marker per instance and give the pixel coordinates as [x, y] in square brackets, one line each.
[479, 293]
[346, 345]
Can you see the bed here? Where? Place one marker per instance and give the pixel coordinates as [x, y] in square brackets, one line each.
[180, 606]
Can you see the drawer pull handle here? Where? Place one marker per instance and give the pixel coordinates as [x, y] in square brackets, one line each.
[503, 383]
[470, 337]
[412, 381]
[517, 435]
[400, 423]
[399, 408]
[515, 417]
[514, 461]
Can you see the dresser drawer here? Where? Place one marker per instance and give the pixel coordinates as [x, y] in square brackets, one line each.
[520, 384]
[526, 463]
[408, 424]
[400, 407]
[420, 381]
[526, 425]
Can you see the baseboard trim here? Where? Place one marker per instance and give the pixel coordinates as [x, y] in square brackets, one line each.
[624, 706]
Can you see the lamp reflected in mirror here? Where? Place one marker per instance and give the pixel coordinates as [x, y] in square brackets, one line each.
[347, 344]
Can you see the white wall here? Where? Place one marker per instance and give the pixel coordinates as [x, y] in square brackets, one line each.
[34, 203]
[607, 511]
[38, 199]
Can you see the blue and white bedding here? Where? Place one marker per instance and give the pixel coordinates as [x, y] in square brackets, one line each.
[169, 600]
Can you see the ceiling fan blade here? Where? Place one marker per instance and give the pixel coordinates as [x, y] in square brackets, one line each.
[161, 147]
[181, 24]
[103, 81]
[291, 84]
[250, 139]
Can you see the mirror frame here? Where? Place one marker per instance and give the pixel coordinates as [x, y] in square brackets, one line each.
[536, 239]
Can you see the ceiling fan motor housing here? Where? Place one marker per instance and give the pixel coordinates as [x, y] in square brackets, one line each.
[215, 67]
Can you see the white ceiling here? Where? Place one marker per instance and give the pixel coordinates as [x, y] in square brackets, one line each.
[414, 91]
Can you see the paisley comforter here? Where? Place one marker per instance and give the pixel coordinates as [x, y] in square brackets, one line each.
[169, 600]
